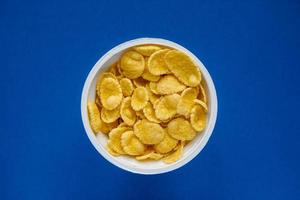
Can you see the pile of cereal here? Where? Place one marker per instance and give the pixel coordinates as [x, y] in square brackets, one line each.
[150, 104]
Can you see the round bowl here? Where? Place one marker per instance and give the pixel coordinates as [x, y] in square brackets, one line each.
[191, 150]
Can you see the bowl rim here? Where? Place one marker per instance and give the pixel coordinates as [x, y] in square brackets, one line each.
[206, 134]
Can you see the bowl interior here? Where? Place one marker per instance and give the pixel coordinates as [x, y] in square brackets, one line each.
[129, 163]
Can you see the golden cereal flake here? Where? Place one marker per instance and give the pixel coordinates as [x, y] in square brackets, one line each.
[153, 87]
[169, 85]
[114, 141]
[107, 127]
[111, 151]
[166, 107]
[202, 94]
[149, 113]
[126, 86]
[166, 145]
[94, 117]
[132, 64]
[156, 63]
[147, 75]
[110, 93]
[98, 102]
[100, 79]
[152, 97]
[127, 113]
[131, 144]
[109, 116]
[150, 155]
[198, 118]
[181, 129]
[119, 68]
[149, 132]
[202, 104]
[186, 101]
[183, 67]
[123, 124]
[175, 156]
[147, 50]
[139, 98]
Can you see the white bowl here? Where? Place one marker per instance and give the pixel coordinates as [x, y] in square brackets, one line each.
[130, 164]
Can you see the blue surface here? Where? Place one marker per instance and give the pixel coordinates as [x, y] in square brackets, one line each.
[251, 49]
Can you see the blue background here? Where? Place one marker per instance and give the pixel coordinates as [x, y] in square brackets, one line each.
[251, 49]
